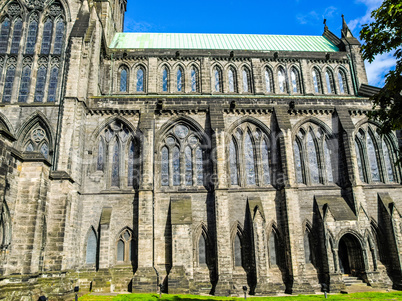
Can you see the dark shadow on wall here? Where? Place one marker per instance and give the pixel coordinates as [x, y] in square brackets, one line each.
[211, 245]
[168, 250]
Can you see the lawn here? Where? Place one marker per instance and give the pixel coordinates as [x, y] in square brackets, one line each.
[338, 297]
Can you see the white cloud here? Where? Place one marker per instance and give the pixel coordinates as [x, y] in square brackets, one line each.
[377, 70]
[371, 5]
[314, 17]
[141, 26]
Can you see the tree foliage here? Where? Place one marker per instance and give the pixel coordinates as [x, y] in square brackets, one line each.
[384, 35]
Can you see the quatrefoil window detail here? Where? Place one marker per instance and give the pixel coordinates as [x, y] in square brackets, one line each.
[38, 135]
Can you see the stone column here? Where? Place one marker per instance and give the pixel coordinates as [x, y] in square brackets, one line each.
[153, 75]
[205, 76]
[257, 74]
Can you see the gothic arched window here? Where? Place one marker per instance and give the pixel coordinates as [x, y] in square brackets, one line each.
[116, 164]
[25, 84]
[194, 79]
[307, 247]
[265, 162]
[295, 80]
[316, 81]
[249, 159]
[5, 227]
[328, 161]
[37, 140]
[164, 79]
[233, 163]
[92, 243]
[237, 252]
[388, 160]
[40, 84]
[124, 249]
[312, 159]
[372, 158]
[298, 162]
[231, 80]
[217, 75]
[180, 79]
[59, 37]
[246, 80]
[47, 36]
[123, 79]
[8, 84]
[4, 34]
[182, 148]
[359, 156]
[53, 81]
[329, 78]
[101, 155]
[17, 34]
[268, 80]
[202, 251]
[272, 249]
[282, 80]
[31, 37]
[343, 85]
[140, 80]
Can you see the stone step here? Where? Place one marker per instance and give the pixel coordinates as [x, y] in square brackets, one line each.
[353, 281]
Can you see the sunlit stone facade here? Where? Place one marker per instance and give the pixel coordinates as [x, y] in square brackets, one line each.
[132, 160]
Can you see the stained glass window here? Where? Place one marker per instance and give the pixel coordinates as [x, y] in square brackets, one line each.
[116, 165]
[1, 71]
[249, 160]
[268, 81]
[372, 158]
[312, 159]
[130, 167]
[31, 38]
[164, 80]
[176, 166]
[328, 164]
[179, 80]
[40, 84]
[272, 249]
[188, 165]
[123, 80]
[54, 73]
[25, 83]
[265, 162]
[343, 88]
[388, 160]
[202, 251]
[44, 149]
[47, 36]
[29, 148]
[140, 80]
[328, 78]
[246, 81]
[281, 80]
[101, 155]
[233, 163]
[217, 77]
[298, 162]
[59, 39]
[16, 41]
[120, 250]
[307, 251]
[237, 252]
[165, 166]
[8, 84]
[193, 80]
[91, 248]
[294, 79]
[316, 82]
[4, 34]
[359, 160]
[199, 165]
[231, 81]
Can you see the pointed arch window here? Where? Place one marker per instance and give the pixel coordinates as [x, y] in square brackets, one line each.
[123, 79]
[372, 158]
[298, 162]
[53, 81]
[37, 140]
[202, 251]
[165, 166]
[176, 166]
[265, 162]
[312, 159]
[343, 86]
[116, 165]
[4, 34]
[25, 84]
[272, 248]
[268, 80]
[179, 80]
[330, 82]
[359, 155]
[295, 79]
[237, 252]
[388, 161]
[44, 149]
[47, 36]
[91, 250]
[40, 84]
[194, 79]
[316, 81]
[124, 247]
[8, 84]
[101, 155]
[130, 167]
[217, 79]
[140, 80]
[59, 37]
[31, 37]
[328, 162]
[17, 34]
[307, 248]
[5, 227]
[188, 166]
[199, 163]
[233, 163]
[282, 80]
[231, 80]
[246, 80]
[164, 79]
[249, 160]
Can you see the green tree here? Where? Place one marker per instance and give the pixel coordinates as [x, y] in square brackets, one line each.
[384, 35]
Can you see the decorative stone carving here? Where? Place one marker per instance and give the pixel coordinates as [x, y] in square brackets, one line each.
[14, 9]
[55, 10]
[38, 4]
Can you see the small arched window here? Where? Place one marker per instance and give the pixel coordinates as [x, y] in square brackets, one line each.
[25, 84]
[294, 75]
[249, 160]
[372, 158]
[343, 85]
[124, 249]
[231, 80]
[140, 80]
[54, 78]
[164, 79]
[16, 41]
[330, 82]
[123, 79]
[92, 243]
[237, 252]
[4, 34]
[40, 84]
[272, 247]
[217, 79]
[233, 163]
[202, 251]
[31, 37]
[246, 80]
[316, 81]
[47, 36]
[179, 80]
[281, 80]
[116, 165]
[268, 81]
[8, 84]
[59, 39]
[194, 79]
[307, 248]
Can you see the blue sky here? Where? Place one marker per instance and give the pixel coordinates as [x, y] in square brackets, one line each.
[292, 17]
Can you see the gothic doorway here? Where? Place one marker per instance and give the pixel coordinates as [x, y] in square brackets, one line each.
[350, 256]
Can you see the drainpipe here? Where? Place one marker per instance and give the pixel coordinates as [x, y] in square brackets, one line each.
[353, 74]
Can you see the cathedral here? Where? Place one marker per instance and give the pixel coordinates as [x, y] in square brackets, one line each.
[187, 163]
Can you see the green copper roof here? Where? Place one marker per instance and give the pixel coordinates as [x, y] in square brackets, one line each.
[221, 42]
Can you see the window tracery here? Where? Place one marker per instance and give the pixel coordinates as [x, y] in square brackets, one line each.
[124, 247]
[25, 84]
[37, 140]
[4, 34]
[32, 34]
[316, 81]
[91, 248]
[8, 83]
[123, 79]
[53, 82]
[194, 79]
[180, 79]
[343, 85]
[47, 36]
[140, 79]
[282, 80]
[59, 37]
[329, 78]
[268, 80]
[17, 34]
[217, 76]
[232, 79]
[295, 79]
[246, 80]
[40, 83]
[165, 77]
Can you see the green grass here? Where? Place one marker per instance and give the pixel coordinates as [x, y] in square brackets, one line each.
[338, 297]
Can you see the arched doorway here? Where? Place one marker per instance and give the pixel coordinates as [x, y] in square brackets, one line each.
[350, 253]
